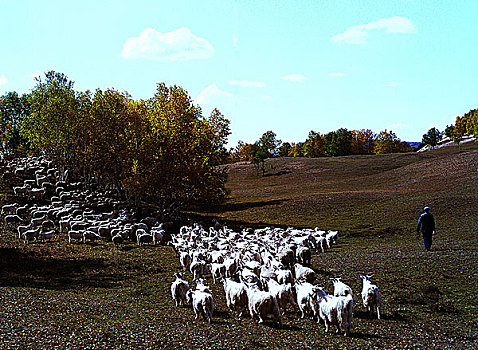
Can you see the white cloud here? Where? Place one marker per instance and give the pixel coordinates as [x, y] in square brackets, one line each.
[392, 84]
[338, 74]
[248, 83]
[178, 45]
[296, 78]
[3, 80]
[235, 41]
[351, 36]
[359, 34]
[398, 126]
[213, 95]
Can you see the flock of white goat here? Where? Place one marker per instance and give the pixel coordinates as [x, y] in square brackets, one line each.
[48, 203]
[264, 272]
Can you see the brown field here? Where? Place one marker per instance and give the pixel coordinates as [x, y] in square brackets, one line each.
[60, 296]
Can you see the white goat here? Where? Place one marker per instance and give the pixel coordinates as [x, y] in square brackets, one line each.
[158, 235]
[118, 240]
[236, 295]
[336, 311]
[217, 271]
[197, 268]
[284, 276]
[307, 299]
[262, 304]
[304, 255]
[91, 236]
[143, 237]
[340, 288]
[178, 289]
[77, 235]
[9, 208]
[283, 293]
[370, 295]
[202, 303]
[185, 260]
[46, 235]
[303, 273]
[31, 235]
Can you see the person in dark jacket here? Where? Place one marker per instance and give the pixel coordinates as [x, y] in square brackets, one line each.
[426, 224]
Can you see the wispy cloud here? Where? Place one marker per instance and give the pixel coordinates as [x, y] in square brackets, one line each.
[359, 34]
[248, 83]
[398, 126]
[178, 45]
[213, 95]
[3, 80]
[338, 74]
[296, 78]
[235, 40]
[392, 84]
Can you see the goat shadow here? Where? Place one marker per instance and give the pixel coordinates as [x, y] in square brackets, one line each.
[20, 269]
[360, 335]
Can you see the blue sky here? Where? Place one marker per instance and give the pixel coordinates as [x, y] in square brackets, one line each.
[286, 66]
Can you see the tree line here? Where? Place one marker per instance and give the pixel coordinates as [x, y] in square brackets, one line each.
[341, 142]
[161, 150]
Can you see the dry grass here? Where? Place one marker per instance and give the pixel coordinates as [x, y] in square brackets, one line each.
[61, 296]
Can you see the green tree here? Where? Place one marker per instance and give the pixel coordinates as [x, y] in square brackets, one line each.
[449, 131]
[13, 110]
[258, 153]
[51, 125]
[338, 143]
[285, 149]
[431, 138]
[270, 143]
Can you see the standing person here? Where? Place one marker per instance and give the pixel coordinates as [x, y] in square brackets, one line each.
[426, 223]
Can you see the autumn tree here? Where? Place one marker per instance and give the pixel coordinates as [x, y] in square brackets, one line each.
[314, 146]
[177, 159]
[459, 130]
[362, 141]
[115, 127]
[404, 147]
[386, 142]
[160, 150]
[472, 122]
[297, 150]
[240, 153]
[432, 137]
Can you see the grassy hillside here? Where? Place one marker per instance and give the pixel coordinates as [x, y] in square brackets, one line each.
[60, 296]
[358, 194]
